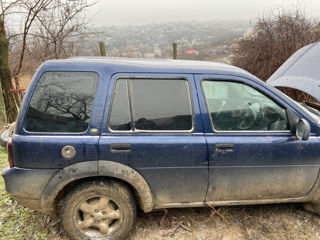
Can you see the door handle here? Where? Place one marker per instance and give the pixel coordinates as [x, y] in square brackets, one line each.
[224, 147]
[120, 147]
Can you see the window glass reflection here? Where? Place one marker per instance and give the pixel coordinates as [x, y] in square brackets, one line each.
[236, 106]
[159, 104]
[62, 102]
[120, 111]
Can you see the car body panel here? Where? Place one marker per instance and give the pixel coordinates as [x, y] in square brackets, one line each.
[27, 183]
[261, 163]
[51, 144]
[181, 169]
[174, 164]
[301, 71]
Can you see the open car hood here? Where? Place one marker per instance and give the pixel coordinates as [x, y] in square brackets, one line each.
[301, 71]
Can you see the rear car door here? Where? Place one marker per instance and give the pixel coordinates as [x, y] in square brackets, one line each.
[152, 124]
[56, 130]
[252, 153]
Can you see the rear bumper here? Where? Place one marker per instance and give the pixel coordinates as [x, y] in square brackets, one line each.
[26, 185]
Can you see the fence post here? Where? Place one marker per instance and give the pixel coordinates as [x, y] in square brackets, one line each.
[174, 50]
[102, 49]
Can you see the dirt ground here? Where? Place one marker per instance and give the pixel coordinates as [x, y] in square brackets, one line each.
[229, 223]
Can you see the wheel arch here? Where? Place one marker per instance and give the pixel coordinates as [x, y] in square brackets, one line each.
[67, 177]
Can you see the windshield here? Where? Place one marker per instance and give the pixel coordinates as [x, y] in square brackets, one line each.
[313, 116]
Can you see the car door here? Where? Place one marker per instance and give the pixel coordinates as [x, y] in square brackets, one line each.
[252, 153]
[58, 123]
[152, 124]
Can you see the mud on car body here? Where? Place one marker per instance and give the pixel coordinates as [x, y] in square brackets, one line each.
[98, 138]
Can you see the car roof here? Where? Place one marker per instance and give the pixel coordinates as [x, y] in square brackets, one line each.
[151, 65]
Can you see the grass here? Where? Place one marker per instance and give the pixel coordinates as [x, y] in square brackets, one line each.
[286, 221]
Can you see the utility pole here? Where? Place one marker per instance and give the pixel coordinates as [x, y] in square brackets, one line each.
[174, 50]
[102, 49]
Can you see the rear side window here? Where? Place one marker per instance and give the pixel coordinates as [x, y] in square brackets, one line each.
[62, 102]
[152, 105]
[120, 112]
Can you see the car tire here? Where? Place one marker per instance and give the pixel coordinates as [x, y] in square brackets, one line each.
[98, 209]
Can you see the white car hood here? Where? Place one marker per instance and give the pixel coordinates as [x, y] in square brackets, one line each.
[301, 71]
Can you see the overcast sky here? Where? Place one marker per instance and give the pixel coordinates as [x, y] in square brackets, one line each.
[127, 12]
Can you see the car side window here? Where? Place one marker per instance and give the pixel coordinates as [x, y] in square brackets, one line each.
[152, 105]
[62, 102]
[235, 106]
[120, 111]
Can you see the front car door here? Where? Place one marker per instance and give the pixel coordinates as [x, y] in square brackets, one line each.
[152, 124]
[252, 153]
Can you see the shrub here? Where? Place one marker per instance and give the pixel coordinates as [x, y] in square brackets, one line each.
[272, 41]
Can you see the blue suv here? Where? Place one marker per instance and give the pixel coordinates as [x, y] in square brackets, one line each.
[98, 138]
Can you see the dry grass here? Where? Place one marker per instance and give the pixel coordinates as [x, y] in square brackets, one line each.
[286, 221]
[24, 81]
[251, 222]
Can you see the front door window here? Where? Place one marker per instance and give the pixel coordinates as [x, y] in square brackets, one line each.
[234, 106]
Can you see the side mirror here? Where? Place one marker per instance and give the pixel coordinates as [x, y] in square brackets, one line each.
[299, 127]
[303, 130]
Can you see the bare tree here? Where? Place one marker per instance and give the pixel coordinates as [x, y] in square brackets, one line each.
[273, 40]
[47, 29]
[28, 10]
[5, 76]
[63, 27]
